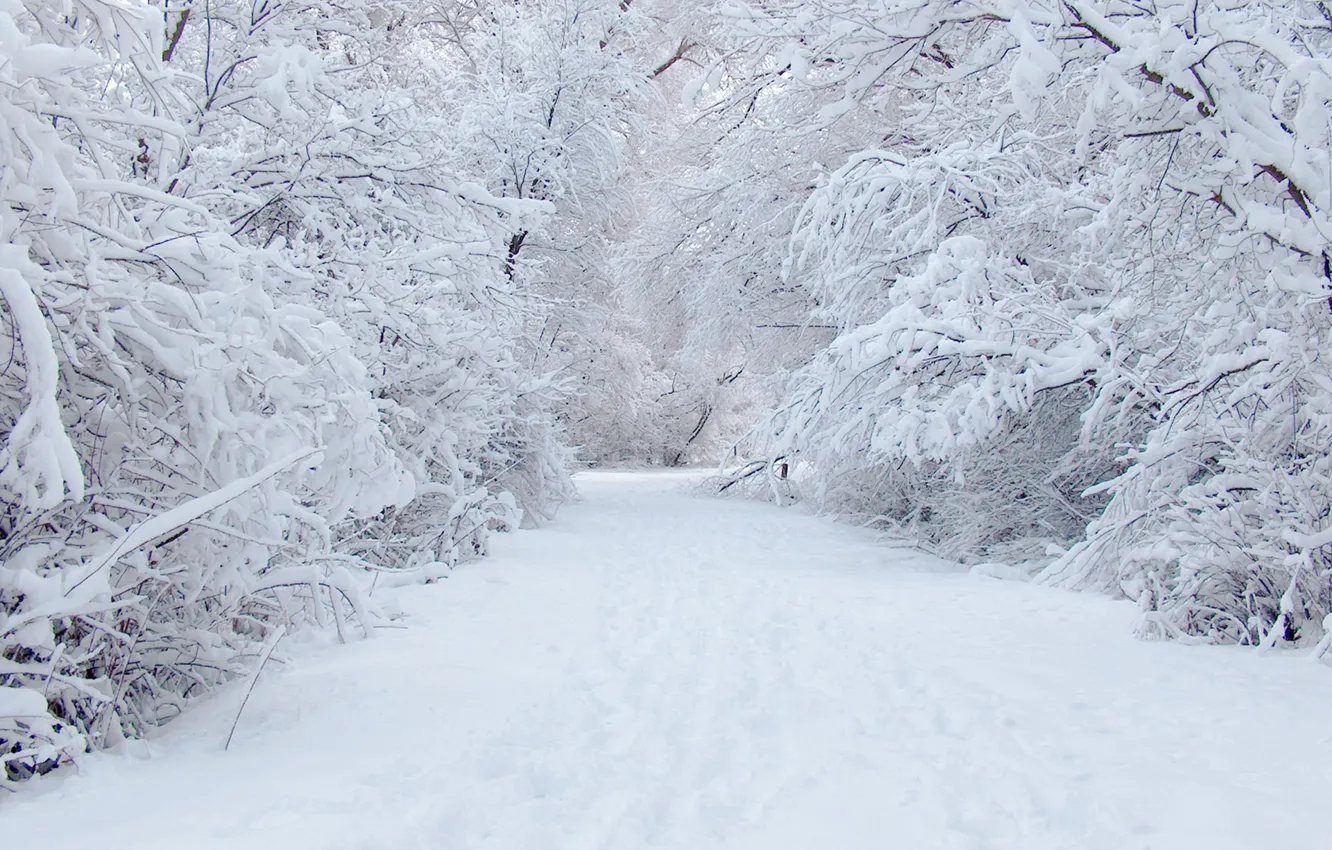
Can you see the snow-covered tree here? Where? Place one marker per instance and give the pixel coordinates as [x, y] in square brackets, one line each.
[550, 98]
[716, 194]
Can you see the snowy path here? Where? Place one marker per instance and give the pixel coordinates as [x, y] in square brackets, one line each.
[666, 671]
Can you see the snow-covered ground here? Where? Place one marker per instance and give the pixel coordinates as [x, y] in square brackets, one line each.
[664, 670]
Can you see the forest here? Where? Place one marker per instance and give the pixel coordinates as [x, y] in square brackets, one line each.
[300, 299]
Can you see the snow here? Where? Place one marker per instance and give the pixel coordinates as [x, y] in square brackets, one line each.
[659, 669]
[37, 461]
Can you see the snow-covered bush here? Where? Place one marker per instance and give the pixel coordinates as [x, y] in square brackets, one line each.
[260, 340]
[955, 412]
[1082, 289]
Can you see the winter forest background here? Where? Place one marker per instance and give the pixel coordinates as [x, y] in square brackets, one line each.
[303, 298]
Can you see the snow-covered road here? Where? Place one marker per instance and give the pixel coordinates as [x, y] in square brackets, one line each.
[663, 670]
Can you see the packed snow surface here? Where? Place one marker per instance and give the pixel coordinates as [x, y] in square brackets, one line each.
[658, 669]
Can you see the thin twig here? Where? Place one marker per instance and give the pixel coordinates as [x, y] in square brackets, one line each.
[268, 652]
